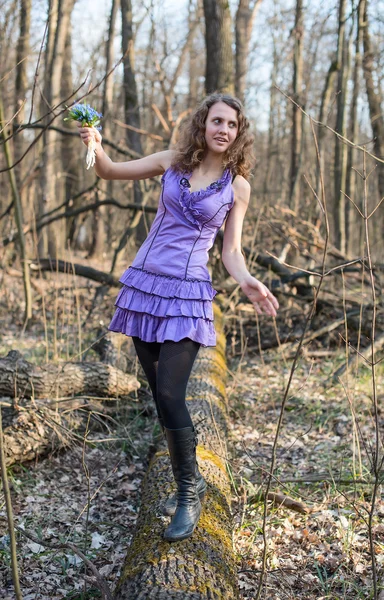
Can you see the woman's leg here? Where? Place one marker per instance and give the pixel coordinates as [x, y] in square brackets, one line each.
[148, 355]
[175, 364]
[174, 369]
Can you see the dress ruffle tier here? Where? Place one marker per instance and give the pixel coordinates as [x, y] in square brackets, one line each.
[157, 307]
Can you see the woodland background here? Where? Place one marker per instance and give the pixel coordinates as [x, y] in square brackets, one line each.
[311, 77]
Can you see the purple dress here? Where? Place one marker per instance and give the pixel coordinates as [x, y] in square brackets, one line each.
[167, 291]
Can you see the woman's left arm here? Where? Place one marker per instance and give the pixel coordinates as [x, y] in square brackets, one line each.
[262, 299]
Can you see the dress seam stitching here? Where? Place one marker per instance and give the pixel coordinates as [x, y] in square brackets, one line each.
[158, 229]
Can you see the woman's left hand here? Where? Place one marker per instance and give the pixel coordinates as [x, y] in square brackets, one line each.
[262, 299]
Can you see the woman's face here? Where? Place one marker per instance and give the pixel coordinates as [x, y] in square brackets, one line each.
[221, 127]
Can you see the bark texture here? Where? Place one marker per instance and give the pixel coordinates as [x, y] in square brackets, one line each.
[34, 427]
[219, 70]
[340, 148]
[245, 15]
[104, 226]
[20, 378]
[375, 99]
[21, 83]
[131, 101]
[51, 193]
[297, 121]
[202, 567]
[353, 223]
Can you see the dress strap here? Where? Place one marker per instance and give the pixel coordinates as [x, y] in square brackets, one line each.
[233, 178]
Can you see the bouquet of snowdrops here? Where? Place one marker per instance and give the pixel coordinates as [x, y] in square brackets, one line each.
[88, 117]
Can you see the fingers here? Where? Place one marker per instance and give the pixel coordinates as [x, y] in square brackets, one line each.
[264, 302]
[273, 300]
[264, 306]
[268, 295]
[87, 134]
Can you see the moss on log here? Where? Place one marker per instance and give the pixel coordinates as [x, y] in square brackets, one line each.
[202, 567]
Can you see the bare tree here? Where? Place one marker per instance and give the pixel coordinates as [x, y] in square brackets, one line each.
[343, 62]
[21, 83]
[18, 216]
[131, 100]
[59, 23]
[245, 16]
[297, 120]
[69, 146]
[103, 213]
[219, 70]
[375, 99]
[353, 224]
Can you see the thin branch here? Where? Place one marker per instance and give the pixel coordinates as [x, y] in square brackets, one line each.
[106, 142]
[337, 134]
[8, 504]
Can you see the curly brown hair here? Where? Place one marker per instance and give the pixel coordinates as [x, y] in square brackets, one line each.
[191, 146]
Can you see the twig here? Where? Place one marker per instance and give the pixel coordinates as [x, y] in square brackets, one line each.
[8, 503]
[153, 136]
[337, 134]
[281, 500]
[293, 367]
[376, 457]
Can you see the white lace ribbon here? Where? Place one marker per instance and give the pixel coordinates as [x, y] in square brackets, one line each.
[91, 153]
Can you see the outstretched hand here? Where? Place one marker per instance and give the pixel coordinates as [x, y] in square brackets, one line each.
[87, 133]
[262, 299]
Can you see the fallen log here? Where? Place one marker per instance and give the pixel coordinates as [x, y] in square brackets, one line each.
[202, 567]
[62, 266]
[20, 378]
[43, 413]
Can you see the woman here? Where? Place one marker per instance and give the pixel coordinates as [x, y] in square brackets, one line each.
[165, 303]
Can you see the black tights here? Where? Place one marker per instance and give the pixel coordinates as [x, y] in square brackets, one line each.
[167, 367]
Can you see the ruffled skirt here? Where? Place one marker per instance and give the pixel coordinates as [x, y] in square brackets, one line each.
[157, 307]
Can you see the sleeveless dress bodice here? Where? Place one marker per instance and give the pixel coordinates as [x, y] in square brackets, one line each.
[167, 291]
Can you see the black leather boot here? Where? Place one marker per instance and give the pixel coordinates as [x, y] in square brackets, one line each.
[182, 450]
[169, 507]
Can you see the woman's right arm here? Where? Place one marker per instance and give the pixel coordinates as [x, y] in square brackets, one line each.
[149, 166]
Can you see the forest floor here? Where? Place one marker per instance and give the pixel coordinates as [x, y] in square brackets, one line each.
[323, 463]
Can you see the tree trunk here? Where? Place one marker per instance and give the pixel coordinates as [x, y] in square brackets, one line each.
[131, 101]
[69, 146]
[202, 567]
[297, 121]
[375, 101]
[323, 117]
[272, 147]
[219, 70]
[21, 83]
[340, 147]
[59, 23]
[353, 221]
[106, 187]
[245, 16]
[18, 217]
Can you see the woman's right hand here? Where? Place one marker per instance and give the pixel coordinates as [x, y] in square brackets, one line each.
[86, 133]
